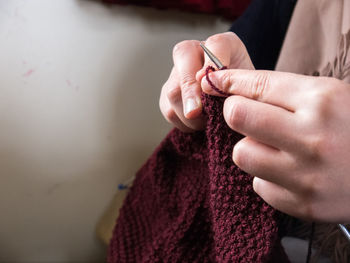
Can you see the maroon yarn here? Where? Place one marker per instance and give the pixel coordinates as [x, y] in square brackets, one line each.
[191, 203]
[207, 71]
[230, 9]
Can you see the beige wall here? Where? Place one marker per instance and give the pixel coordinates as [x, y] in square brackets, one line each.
[79, 88]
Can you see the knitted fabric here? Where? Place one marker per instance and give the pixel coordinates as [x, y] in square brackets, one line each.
[191, 203]
[230, 9]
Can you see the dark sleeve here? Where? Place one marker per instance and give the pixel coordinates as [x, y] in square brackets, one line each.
[262, 28]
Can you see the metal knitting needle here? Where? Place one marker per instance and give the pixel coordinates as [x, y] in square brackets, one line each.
[215, 60]
[345, 231]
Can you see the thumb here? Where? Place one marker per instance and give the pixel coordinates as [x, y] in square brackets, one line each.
[229, 49]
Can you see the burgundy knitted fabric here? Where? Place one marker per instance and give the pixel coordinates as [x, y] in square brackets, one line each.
[191, 203]
[228, 8]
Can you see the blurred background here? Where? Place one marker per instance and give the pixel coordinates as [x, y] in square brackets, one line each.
[79, 89]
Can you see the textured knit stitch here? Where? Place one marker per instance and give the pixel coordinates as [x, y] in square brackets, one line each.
[191, 203]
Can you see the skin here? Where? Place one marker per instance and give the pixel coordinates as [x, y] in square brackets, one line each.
[296, 127]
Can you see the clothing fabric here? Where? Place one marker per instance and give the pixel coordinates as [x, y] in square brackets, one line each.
[230, 9]
[262, 29]
[317, 41]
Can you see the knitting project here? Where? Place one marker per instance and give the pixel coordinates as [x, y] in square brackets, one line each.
[191, 203]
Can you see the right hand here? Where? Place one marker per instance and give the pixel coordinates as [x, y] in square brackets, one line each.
[180, 101]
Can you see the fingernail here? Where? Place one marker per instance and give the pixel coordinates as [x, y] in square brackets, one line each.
[191, 105]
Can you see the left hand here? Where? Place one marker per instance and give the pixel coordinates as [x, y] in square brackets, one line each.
[297, 143]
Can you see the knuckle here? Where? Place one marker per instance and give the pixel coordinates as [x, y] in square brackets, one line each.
[315, 147]
[321, 99]
[170, 115]
[260, 84]
[173, 94]
[235, 41]
[319, 112]
[181, 47]
[226, 36]
[307, 188]
[227, 82]
[306, 210]
[307, 191]
[312, 188]
[187, 81]
[216, 38]
[188, 85]
[232, 83]
[322, 96]
[229, 38]
[231, 35]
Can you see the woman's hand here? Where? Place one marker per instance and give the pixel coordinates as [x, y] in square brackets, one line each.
[297, 142]
[180, 101]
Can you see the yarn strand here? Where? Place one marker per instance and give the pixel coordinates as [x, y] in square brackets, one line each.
[212, 69]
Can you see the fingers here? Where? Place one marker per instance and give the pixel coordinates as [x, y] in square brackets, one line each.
[276, 178]
[188, 59]
[265, 123]
[170, 115]
[276, 196]
[287, 201]
[229, 49]
[171, 106]
[277, 88]
[263, 161]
